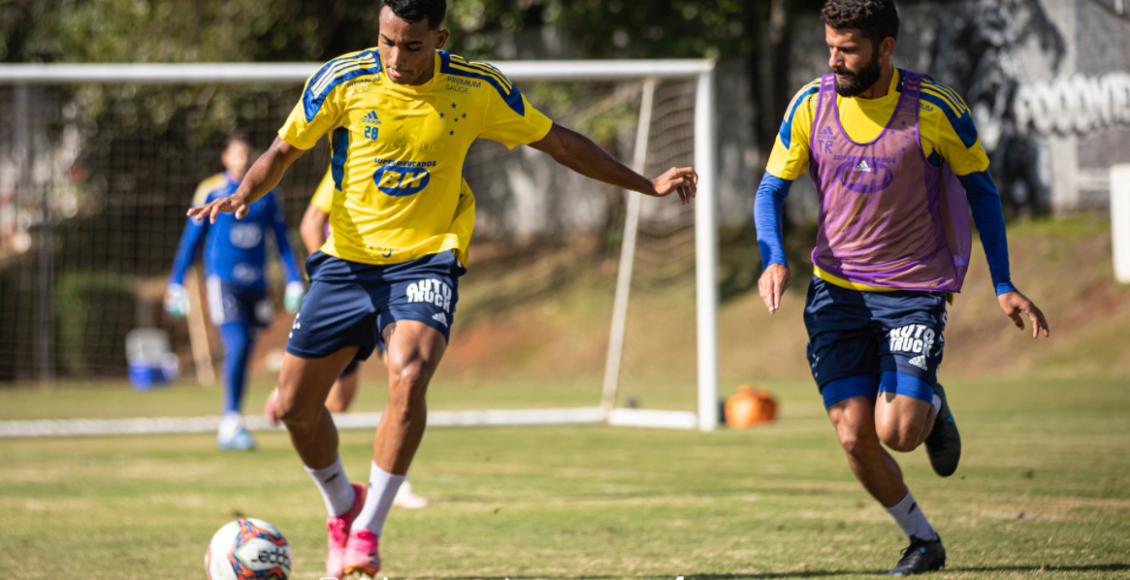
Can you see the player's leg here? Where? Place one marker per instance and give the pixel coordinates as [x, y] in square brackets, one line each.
[233, 310]
[304, 384]
[337, 323]
[344, 390]
[844, 356]
[238, 338]
[912, 408]
[903, 421]
[414, 352]
[342, 395]
[415, 329]
[854, 420]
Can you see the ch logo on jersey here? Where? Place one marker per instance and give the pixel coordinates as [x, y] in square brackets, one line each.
[865, 176]
[914, 339]
[431, 291]
[825, 139]
[401, 181]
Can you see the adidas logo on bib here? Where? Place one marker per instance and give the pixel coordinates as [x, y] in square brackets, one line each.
[863, 167]
[439, 317]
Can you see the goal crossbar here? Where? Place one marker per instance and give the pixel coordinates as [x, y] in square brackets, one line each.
[287, 72]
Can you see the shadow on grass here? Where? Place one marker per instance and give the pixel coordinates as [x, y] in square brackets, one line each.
[800, 574]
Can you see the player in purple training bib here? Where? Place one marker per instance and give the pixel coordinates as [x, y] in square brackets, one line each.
[898, 165]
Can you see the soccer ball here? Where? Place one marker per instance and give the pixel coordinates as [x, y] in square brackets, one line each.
[248, 549]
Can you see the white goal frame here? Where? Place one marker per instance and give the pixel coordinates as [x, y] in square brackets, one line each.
[705, 221]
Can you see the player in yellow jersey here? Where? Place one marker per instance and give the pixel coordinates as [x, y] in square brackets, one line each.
[315, 230]
[401, 118]
[898, 167]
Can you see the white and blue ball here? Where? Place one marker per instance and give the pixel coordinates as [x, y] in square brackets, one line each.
[248, 549]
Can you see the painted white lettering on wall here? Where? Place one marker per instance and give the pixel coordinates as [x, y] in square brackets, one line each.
[1075, 105]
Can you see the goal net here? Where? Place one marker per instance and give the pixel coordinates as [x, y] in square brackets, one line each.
[583, 303]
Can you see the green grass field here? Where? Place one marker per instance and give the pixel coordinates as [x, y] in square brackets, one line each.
[1043, 491]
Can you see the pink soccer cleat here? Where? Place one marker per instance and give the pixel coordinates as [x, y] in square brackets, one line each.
[339, 533]
[362, 556]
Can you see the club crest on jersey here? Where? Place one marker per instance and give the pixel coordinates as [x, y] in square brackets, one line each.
[430, 291]
[401, 181]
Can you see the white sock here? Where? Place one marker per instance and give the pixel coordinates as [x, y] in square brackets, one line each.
[937, 402]
[911, 519]
[335, 487]
[382, 490]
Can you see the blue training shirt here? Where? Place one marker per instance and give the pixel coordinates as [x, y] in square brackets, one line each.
[235, 251]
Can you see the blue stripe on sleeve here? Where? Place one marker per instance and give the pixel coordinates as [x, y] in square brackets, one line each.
[962, 123]
[456, 65]
[786, 131]
[318, 89]
[339, 145]
[767, 211]
[985, 203]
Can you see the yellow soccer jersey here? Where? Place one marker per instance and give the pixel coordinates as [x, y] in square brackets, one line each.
[398, 150]
[945, 124]
[461, 226]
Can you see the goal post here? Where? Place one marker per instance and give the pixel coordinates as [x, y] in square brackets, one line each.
[698, 73]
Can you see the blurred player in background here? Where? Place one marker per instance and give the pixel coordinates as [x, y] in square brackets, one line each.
[235, 259]
[401, 117]
[897, 164]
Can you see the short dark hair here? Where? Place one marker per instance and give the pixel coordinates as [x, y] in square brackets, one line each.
[875, 19]
[416, 10]
[241, 135]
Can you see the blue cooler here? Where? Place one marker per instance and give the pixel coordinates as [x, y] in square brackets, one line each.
[150, 362]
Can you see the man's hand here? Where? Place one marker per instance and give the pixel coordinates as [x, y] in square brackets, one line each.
[215, 207]
[1014, 304]
[176, 301]
[772, 285]
[681, 179]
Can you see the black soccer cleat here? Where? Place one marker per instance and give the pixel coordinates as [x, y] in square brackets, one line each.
[943, 444]
[922, 556]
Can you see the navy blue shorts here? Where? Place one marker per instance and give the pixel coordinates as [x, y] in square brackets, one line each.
[864, 343]
[350, 303]
[229, 302]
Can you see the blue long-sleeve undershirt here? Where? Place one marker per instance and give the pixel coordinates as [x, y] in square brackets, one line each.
[768, 206]
[984, 201]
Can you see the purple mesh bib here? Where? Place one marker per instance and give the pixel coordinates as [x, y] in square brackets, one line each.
[887, 217]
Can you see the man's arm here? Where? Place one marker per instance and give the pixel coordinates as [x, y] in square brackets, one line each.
[190, 242]
[580, 154]
[313, 228]
[985, 204]
[768, 208]
[263, 176]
